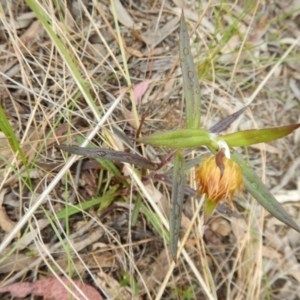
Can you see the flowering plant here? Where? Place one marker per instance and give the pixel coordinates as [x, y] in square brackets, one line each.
[218, 176]
[223, 173]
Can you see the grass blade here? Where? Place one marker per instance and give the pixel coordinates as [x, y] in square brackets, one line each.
[63, 50]
[6, 128]
[155, 221]
[103, 201]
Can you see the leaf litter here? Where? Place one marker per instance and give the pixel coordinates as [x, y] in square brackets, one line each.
[43, 86]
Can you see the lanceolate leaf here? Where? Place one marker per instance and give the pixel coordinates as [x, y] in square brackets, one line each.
[255, 136]
[178, 188]
[110, 155]
[190, 78]
[181, 138]
[260, 192]
[225, 123]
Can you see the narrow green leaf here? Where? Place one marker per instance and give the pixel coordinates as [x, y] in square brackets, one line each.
[8, 131]
[178, 188]
[155, 221]
[181, 138]
[209, 206]
[136, 210]
[104, 201]
[128, 280]
[191, 85]
[255, 136]
[260, 192]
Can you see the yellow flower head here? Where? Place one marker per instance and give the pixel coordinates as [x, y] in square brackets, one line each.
[219, 177]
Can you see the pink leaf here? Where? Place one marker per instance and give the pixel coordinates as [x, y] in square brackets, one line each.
[140, 89]
[51, 288]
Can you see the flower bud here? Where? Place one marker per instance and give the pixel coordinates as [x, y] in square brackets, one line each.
[219, 177]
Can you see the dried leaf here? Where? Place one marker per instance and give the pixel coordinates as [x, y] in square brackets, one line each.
[155, 272]
[123, 16]
[51, 288]
[155, 37]
[6, 223]
[259, 31]
[6, 153]
[15, 262]
[32, 33]
[22, 20]
[221, 227]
